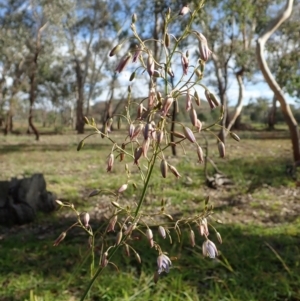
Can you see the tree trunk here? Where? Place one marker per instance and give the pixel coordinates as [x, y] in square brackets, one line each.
[31, 101]
[286, 110]
[272, 114]
[80, 99]
[235, 119]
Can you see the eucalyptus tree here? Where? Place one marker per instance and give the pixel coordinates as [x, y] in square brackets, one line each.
[232, 28]
[272, 26]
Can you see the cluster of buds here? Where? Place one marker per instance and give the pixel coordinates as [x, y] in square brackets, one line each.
[148, 137]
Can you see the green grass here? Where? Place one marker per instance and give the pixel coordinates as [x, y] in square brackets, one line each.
[260, 254]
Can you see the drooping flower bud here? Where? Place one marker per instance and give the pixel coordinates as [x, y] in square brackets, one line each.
[86, 219]
[198, 125]
[164, 168]
[188, 101]
[193, 116]
[184, 63]
[122, 154]
[137, 257]
[197, 98]
[189, 134]
[60, 238]
[167, 105]
[174, 171]
[203, 228]
[137, 130]
[221, 148]
[160, 136]
[115, 50]
[110, 162]
[214, 99]
[219, 237]
[200, 154]
[162, 232]
[209, 249]
[104, 260]
[235, 136]
[112, 223]
[192, 238]
[204, 51]
[127, 250]
[209, 100]
[151, 98]
[119, 238]
[145, 147]
[123, 63]
[149, 235]
[122, 188]
[137, 54]
[150, 65]
[137, 155]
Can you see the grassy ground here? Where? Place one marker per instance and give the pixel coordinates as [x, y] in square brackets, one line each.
[260, 254]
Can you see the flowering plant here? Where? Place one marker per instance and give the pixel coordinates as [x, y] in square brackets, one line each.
[146, 144]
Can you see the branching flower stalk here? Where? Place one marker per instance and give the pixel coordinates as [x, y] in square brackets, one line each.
[147, 140]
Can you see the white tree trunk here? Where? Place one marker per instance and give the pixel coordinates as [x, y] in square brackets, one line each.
[286, 110]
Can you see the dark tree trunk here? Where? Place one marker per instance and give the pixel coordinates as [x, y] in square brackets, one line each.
[80, 99]
[32, 100]
[272, 114]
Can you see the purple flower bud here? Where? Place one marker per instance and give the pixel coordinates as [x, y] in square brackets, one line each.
[112, 223]
[162, 232]
[198, 125]
[110, 162]
[149, 235]
[163, 263]
[86, 219]
[200, 154]
[189, 134]
[184, 63]
[193, 116]
[203, 229]
[150, 65]
[188, 102]
[209, 100]
[167, 105]
[151, 98]
[137, 154]
[137, 130]
[123, 63]
[209, 249]
[137, 54]
[60, 238]
[204, 51]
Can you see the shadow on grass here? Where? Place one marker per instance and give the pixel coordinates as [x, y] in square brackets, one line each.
[251, 173]
[255, 264]
[23, 147]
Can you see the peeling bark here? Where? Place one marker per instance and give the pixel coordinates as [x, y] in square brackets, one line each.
[274, 86]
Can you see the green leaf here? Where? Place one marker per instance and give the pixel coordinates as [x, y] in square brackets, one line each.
[94, 192]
